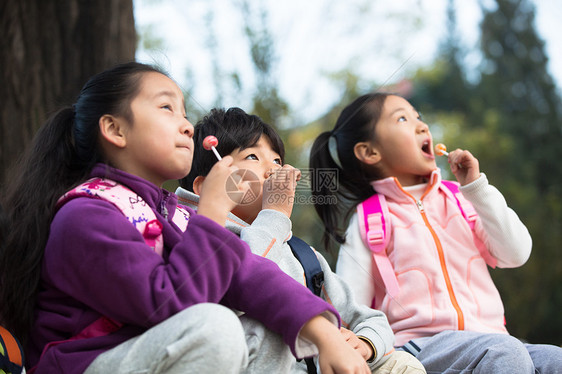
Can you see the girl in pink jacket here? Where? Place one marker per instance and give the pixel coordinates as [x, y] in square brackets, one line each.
[441, 301]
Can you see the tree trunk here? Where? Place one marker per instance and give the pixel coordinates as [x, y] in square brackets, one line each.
[49, 48]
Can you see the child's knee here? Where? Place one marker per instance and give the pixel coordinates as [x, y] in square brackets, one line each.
[399, 362]
[210, 332]
[507, 351]
[546, 358]
[220, 325]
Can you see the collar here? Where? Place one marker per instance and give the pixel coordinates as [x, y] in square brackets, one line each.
[188, 198]
[153, 195]
[392, 189]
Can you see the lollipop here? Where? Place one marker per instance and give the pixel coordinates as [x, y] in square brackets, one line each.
[210, 142]
[441, 150]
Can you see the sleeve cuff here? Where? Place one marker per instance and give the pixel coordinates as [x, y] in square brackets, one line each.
[305, 348]
[274, 223]
[379, 346]
[476, 185]
[368, 341]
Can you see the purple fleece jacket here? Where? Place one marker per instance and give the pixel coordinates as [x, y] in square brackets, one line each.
[96, 263]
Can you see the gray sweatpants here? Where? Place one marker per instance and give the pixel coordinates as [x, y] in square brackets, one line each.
[205, 338]
[464, 352]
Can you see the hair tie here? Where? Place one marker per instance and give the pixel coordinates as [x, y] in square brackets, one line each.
[333, 149]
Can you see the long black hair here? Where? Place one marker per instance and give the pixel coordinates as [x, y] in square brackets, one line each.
[62, 155]
[234, 129]
[335, 150]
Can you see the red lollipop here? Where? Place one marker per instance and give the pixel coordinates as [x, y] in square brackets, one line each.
[209, 143]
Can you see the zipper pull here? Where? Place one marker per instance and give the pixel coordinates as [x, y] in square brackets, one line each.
[163, 209]
[420, 205]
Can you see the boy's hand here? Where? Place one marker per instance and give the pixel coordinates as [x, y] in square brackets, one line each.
[464, 166]
[364, 349]
[279, 189]
[342, 359]
[221, 191]
[335, 355]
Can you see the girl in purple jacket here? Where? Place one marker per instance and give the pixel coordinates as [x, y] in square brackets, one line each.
[65, 269]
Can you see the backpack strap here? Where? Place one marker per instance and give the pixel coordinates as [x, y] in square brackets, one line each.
[374, 230]
[312, 269]
[11, 353]
[140, 214]
[314, 277]
[137, 211]
[181, 217]
[467, 210]
[129, 203]
[470, 215]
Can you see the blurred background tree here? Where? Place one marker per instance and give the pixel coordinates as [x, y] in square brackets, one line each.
[48, 50]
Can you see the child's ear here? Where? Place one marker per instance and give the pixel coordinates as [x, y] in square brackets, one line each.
[112, 130]
[367, 153]
[198, 184]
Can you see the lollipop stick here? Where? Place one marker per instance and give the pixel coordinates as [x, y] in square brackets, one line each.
[216, 153]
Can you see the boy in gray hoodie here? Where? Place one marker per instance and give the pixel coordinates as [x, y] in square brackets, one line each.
[262, 219]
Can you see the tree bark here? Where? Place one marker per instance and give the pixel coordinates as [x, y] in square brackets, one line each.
[49, 48]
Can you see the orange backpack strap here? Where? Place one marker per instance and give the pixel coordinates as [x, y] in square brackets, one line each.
[11, 353]
[374, 226]
[470, 215]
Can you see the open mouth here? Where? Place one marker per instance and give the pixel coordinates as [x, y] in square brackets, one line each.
[426, 147]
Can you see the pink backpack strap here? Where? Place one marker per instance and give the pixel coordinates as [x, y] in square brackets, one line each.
[470, 215]
[181, 217]
[139, 213]
[374, 231]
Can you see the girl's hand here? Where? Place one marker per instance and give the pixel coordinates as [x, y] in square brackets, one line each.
[279, 189]
[364, 349]
[335, 355]
[464, 166]
[221, 191]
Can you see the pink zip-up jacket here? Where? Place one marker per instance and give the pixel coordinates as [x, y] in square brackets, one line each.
[443, 278]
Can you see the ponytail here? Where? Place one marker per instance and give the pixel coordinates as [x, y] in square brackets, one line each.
[335, 150]
[61, 156]
[47, 171]
[321, 161]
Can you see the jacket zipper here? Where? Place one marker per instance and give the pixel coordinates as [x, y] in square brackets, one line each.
[163, 208]
[460, 315]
